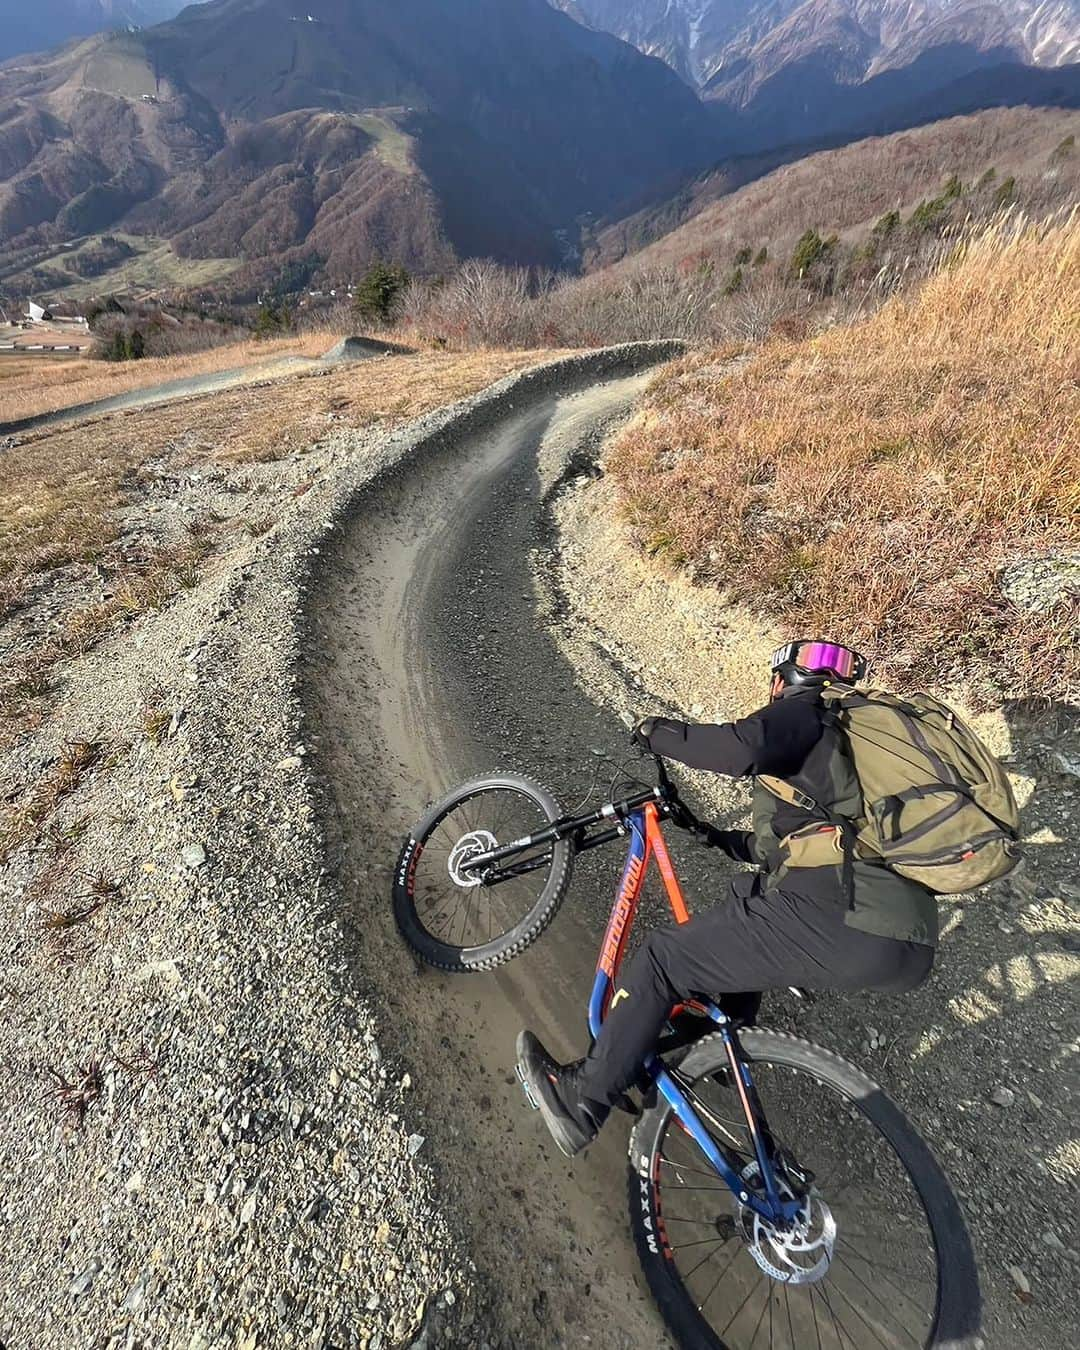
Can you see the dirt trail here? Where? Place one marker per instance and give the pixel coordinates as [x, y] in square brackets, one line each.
[434, 667]
[171, 391]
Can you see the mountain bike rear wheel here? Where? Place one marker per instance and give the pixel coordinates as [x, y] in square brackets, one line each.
[450, 916]
[883, 1258]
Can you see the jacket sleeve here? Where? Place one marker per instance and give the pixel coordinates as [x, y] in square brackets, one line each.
[774, 740]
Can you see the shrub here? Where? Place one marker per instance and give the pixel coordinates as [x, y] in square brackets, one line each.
[117, 344]
[810, 251]
[743, 257]
[929, 215]
[734, 282]
[378, 293]
[272, 320]
[886, 225]
[1006, 192]
[762, 256]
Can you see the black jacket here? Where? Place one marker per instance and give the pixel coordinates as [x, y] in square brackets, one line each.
[792, 738]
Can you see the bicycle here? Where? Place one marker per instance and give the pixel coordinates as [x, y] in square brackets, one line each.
[710, 1178]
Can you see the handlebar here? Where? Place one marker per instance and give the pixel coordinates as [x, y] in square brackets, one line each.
[612, 815]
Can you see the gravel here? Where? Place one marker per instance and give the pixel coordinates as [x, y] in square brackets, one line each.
[203, 1144]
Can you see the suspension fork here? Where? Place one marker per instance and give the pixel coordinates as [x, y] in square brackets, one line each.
[772, 1206]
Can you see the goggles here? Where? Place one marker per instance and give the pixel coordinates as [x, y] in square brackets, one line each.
[808, 655]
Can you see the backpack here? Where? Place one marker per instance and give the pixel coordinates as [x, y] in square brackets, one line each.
[938, 806]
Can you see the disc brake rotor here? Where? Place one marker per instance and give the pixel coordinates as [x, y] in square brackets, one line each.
[800, 1253]
[472, 845]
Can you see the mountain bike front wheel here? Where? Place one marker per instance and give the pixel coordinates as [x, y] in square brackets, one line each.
[451, 916]
[880, 1256]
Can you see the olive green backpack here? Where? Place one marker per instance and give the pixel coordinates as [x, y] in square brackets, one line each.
[938, 807]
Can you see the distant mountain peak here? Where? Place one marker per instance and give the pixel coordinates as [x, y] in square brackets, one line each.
[728, 48]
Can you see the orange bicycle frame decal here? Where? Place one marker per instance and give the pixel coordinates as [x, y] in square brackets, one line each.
[647, 842]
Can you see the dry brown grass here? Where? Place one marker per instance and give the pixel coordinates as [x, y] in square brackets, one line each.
[844, 191]
[31, 386]
[24, 818]
[61, 492]
[872, 482]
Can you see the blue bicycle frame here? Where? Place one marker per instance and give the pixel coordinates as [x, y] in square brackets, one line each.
[647, 844]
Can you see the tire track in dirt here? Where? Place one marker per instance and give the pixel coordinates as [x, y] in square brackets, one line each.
[433, 665]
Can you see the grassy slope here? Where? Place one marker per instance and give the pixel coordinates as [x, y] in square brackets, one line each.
[29, 386]
[846, 190]
[872, 482]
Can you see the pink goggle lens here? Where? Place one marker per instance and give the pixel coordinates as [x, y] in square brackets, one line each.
[827, 656]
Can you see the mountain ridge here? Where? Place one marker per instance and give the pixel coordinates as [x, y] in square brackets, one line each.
[508, 121]
[49, 23]
[727, 47]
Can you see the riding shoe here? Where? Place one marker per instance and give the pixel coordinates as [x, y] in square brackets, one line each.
[553, 1090]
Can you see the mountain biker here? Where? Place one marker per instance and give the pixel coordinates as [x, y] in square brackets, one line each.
[805, 917]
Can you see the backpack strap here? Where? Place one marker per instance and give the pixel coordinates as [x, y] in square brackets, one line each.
[848, 832]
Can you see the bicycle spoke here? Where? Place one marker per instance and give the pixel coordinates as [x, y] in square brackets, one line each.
[837, 1323]
[859, 1315]
[873, 1294]
[708, 1256]
[700, 1242]
[674, 1218]
[698, 1171]
[813, 1309]
[741, 1306]
[761, 1317]
[716, 1282]
[880, 1269]
[871, 1198]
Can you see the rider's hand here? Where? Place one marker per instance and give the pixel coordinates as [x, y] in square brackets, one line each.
[641, 733]
[735, 843]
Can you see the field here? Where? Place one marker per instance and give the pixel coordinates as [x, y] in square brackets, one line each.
[69, 498]
[32, 385]
[876, 480]
[154, 267]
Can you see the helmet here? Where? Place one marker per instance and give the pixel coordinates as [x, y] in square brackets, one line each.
[813, 663]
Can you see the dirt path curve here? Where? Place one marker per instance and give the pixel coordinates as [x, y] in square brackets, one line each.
[171, 391]
[432, 665]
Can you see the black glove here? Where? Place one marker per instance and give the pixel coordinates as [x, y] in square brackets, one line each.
[735, 843]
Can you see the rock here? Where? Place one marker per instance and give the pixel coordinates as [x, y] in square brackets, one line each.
[416, 1143]
[1040, 584]
[289, 762]
[1020, 1279]
[82, 1282]
[1003, 1096]
[1066, 762]
[193, 855]
[136, 1295]
[1051, 1240]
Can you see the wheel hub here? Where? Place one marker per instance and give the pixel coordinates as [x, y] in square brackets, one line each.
[800, 1253]
[472, 845]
